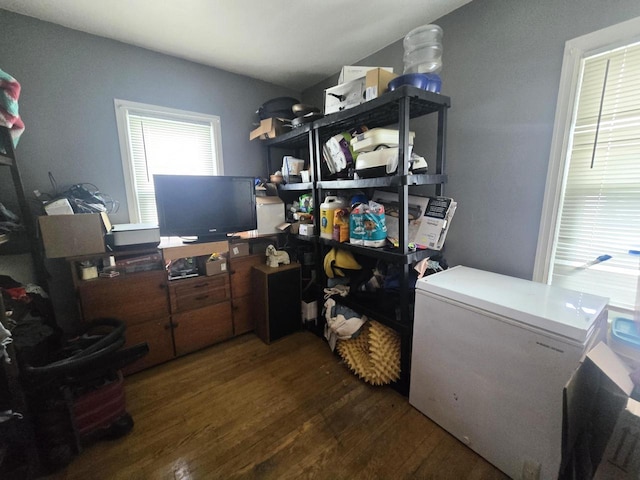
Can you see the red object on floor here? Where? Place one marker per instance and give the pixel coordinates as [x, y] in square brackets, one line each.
[100, 408]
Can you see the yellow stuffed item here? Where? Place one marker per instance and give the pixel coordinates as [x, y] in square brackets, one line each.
[374, 355]
[336, 260]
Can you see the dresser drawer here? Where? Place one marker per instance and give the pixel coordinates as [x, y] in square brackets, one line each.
[198, 292]
[202, 327]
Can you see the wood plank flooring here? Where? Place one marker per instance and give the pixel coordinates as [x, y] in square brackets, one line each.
[243, 409]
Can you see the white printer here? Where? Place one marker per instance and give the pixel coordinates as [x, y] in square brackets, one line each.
[133, 234]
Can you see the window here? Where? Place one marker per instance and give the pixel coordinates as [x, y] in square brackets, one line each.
[163, 141]
[592, 202]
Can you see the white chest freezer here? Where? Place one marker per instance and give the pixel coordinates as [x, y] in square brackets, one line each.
[491, 355]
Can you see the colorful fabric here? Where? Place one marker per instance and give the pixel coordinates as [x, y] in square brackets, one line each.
[9, 115]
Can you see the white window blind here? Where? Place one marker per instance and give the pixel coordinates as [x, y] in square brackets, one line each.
[163, 141]
[600, 203]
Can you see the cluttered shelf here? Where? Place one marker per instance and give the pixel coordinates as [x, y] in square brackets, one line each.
[14, 243]
[389, 181]
[381, 306]
[5, 160]
[378, 112]
[388, 253]
[296, 138]
[296, 186]
[383, 111]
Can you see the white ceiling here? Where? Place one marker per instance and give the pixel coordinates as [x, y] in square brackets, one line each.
[293, 43]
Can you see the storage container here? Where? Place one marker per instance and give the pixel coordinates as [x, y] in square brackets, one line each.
[327, 210]
[371, 139]
[624, 339]
[341, 225]
[423, 50]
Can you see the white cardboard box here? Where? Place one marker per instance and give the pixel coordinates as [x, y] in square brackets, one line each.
[350, 94]
[435, 222]
[429, 218]
[344, 96]
[270, 212]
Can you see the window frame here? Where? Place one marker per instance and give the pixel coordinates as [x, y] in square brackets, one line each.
[575, 50]
[123, 108]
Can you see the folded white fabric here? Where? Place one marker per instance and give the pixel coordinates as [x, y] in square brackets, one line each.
[5, 339]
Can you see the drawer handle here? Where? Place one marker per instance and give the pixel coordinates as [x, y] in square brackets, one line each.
[175, 324]
[168, 326]
[202, 297]
[200, 285]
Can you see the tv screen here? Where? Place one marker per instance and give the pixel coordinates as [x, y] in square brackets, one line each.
[203, 206]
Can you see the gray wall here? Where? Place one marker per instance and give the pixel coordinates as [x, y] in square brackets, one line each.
[501, 68]
[69, 80]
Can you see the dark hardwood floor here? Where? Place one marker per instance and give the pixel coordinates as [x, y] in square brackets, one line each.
[243, 409]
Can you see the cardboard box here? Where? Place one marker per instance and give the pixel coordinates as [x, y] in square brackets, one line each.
[238, 249]
[214, 267]
[601, 425]
[269, 128]
[305, 229]
[309, 310]
[435, 222]
[270, 212]
[621, 459]
[73, 235]
[344, 96]
[377, 82]
[351, 72]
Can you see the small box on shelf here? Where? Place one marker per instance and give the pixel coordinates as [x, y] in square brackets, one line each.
[210, 266]
[240, 249]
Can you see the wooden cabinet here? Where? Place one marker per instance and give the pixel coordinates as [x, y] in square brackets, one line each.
[133, 298]
[200, 312]
[138, 299]
[201, 327]
[179, 316]
[241, 291]
[276, 302]
[157, 334]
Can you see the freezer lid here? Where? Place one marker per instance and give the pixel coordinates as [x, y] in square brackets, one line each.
[557, 310]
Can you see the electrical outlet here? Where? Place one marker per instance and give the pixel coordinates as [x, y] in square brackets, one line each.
[530, 470]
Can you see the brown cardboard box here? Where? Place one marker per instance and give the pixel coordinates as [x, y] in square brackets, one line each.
[215, 267]
[238, 249]
[621, 459]
[269, 128]
[376, 83]
[601, 424]
[73, 235]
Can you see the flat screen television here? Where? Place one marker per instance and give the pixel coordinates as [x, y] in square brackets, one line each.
[203, 206]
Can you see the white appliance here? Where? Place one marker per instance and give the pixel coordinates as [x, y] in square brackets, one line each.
[128, 234]
[491, 356]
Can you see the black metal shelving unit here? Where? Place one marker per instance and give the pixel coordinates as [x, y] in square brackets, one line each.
[392, 108]
[17, 433]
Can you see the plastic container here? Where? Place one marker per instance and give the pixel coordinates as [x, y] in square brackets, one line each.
[421, 35]
[426, 59]
[341, 225]
[423, 50]
[430, 82]
[624, 339]
[376, 137]
[327, 211]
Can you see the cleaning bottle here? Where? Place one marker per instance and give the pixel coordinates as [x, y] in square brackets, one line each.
[327, 210]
